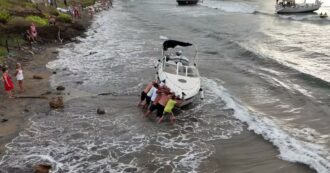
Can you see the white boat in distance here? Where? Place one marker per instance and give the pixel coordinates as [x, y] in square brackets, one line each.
[290, 6]
[179, 74]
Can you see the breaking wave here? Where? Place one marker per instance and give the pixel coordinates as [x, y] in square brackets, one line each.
[291, 149]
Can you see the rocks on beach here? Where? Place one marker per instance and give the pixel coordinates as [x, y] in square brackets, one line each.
[60, 88]
[100, 111]
[37, 77]
[42, 168]
[4, 120]
[56, 102]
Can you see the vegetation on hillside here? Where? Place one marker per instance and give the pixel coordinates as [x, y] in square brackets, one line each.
[62, 17]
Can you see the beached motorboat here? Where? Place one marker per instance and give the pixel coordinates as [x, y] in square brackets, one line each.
[178, 73]
[187, 2]
[290, 6]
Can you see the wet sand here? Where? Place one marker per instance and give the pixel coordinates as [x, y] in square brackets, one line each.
[18, 110]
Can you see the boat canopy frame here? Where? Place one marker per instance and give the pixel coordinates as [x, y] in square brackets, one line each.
[174, 43]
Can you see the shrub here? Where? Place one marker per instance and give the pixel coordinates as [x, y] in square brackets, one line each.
[86, 3]
[3, 53]
[54, 12]
[4, 16]
[64, 18]
[38, 21]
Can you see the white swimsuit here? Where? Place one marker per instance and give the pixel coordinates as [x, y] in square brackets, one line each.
[19, 75]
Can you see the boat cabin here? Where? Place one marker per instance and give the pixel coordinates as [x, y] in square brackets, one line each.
[286, 3]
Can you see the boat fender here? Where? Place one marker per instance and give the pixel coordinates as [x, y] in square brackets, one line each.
[183, 95]
[201, 93]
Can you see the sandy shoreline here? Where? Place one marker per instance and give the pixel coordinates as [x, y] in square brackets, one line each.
[14, 113]
[17, 111]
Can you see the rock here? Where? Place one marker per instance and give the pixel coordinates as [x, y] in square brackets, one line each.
[100, 111]
[42, 168]
[60, 88]
[54, 72]
[130, 170]
[56, 102]
[47, 93]
[37, 77]
[193, 119]
[26, 110]
[79, 82]
[4, 120]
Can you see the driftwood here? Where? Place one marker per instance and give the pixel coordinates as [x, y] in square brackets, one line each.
[31, 97]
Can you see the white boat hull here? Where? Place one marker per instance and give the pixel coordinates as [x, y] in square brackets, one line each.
[298, 9]
[190, 86]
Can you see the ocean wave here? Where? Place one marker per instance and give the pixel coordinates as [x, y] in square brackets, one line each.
[291, 149]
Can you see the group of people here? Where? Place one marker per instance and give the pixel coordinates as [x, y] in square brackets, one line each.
[7, 80]
[157, 96]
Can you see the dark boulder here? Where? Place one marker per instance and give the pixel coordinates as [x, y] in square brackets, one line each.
[100, 111]
[37, 77]
[60, 88]
[42, 168]
[56, 102]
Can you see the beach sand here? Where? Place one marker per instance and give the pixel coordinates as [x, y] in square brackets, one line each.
[14, 113]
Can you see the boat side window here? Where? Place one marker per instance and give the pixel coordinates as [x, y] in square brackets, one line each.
[170, 68]
[182, 70]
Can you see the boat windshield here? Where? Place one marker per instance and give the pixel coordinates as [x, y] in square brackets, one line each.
[189, 71]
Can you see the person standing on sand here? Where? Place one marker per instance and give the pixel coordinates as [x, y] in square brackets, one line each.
[9, 86]
[19, 76]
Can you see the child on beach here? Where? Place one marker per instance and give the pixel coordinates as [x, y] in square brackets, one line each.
[9, 86]
[33, 32]
[19, 76]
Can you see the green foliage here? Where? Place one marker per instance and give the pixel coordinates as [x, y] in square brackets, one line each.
[4, 16]
[86, 3]
[64, 18]
[12, 40]
[38, 21]
[3, 53]
[53, 11]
